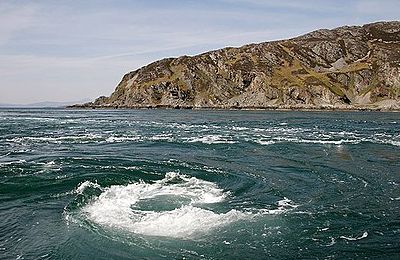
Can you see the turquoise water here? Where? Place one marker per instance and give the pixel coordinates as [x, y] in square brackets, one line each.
[132, 184]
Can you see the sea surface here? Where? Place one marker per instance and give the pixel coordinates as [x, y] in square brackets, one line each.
[183, 184]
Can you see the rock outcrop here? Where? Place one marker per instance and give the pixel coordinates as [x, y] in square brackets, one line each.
[351, 67]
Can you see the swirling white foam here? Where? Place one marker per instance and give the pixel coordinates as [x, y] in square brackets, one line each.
[121, 207]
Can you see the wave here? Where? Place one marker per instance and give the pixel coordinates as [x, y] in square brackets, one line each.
[175, 206]
[364, 235]
[162, 137]
[119, 139]
[211, 139]
[13, 162]
[5, 155]
[265, 142]
[182, 133]
[85, 185]
[336, 142]
[392, 142]
[55, 139]
[283, 205]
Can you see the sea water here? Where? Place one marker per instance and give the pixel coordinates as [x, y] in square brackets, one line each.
[133, 184]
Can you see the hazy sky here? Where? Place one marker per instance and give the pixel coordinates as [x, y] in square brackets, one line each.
[70, 50]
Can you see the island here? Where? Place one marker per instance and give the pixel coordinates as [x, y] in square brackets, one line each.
[347, 68]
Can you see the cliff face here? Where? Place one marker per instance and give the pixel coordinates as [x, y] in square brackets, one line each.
[351, 67]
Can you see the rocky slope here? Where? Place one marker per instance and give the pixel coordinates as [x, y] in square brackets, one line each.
[351, 67]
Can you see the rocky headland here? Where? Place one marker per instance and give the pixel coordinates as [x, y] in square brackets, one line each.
[347, 68]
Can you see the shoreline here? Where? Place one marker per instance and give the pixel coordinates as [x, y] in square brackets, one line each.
[283, 109]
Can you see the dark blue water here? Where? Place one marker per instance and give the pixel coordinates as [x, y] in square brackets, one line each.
[129, 184]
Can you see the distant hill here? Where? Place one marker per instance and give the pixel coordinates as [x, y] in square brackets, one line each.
[44, 104]
[350, 67]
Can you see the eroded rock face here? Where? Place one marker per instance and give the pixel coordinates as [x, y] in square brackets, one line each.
[355, 67]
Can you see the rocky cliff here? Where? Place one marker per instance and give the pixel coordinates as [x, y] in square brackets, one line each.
[351, 67]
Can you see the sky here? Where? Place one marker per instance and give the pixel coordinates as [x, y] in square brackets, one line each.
[73, 50]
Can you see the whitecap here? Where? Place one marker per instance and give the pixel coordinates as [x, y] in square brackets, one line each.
[336, 142]
[333, 241]
[84, 185]
[55, 139]
[47, 164]
[283, 205]
[393, 142]
[265, 142]
[120, 139]
[364, 235]
[211, 139]
[162, 137]
[5, 155]
[13, 162]
[240, 128]
[129, 167]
